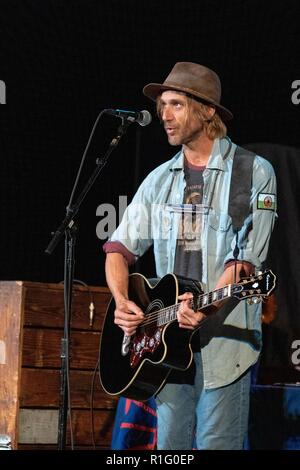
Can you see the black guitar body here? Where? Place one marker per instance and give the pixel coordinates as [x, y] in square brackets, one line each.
[138, 366]
[151, 366]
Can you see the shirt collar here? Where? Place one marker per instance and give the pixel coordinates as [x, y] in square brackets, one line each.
[222, 148]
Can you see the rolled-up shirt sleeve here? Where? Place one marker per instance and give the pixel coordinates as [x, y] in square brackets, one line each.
[248, 268]
[118, 247]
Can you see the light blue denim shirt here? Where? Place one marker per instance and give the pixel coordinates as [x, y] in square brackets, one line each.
[152, 218]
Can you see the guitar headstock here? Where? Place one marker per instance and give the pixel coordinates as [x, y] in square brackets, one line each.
[260, 285]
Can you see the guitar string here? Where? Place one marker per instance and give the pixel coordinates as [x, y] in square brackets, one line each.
[157, 313]
[205, 319]
[152, 317]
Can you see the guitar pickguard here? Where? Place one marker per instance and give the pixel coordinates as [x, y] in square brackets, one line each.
[148, 338]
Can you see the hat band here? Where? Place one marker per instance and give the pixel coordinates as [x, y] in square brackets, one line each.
[200, 100]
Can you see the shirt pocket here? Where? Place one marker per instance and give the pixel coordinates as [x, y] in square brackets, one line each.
[219, 233]
[163, 222]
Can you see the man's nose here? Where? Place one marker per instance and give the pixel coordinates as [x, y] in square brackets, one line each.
[167, 114]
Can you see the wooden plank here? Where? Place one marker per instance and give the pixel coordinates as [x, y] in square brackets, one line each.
[40, 427]
[40, 388]
[45, 307]
[37, 383]
[42, 348]
[54, 286]
[103, 426]
[10, 367]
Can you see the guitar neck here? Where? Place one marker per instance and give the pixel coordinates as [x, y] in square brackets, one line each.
[202, 301]
[205, 300]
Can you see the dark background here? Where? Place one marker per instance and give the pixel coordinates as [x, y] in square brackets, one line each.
[64, 61]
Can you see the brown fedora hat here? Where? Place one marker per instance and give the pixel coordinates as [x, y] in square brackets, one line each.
[192, 79]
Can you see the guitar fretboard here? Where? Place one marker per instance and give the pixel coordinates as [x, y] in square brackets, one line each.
[169, 314]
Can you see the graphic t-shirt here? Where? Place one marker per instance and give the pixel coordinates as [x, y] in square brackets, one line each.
[188, 258]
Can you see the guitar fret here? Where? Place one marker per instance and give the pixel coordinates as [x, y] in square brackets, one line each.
[166, 315]
[174, 312]
[227, 291]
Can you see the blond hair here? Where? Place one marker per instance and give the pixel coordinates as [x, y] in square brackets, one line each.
[214, 126]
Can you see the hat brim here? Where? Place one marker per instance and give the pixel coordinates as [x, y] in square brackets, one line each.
[153, 90]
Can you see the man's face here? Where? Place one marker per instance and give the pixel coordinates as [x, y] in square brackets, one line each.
[181, 126]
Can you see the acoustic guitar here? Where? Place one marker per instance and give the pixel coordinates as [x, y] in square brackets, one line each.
[138, 366]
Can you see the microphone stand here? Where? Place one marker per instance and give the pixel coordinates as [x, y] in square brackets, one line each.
[68, 229]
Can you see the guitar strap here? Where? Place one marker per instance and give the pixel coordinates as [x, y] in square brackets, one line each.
[240, 187]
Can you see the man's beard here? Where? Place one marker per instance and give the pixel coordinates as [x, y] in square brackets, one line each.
[185, 138]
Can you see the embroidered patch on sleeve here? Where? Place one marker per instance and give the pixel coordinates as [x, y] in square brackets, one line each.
[266, 201]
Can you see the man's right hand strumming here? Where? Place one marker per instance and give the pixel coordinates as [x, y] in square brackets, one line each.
[128, 316]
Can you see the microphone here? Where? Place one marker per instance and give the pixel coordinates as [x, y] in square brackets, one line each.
[143, 118]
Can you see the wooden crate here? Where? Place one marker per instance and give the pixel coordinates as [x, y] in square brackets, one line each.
[31, 329]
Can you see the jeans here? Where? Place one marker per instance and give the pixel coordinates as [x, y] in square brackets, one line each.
[189, 416]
